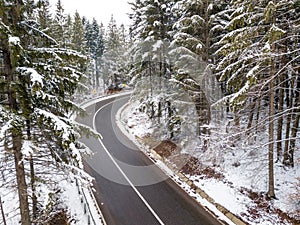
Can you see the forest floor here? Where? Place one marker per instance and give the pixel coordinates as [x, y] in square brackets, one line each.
[72, 199]
[238, 182]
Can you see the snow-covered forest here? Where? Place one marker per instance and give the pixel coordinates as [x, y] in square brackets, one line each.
[220, 79]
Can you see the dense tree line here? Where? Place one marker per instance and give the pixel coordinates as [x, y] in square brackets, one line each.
[114, 60]
[45, 60]
[238, 62]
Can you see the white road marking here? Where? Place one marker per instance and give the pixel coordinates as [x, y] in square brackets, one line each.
[119, 168]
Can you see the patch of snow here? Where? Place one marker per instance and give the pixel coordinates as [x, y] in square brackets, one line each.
[142, 126]
[80, 203]
[4, 128]
[158, 45]
[10, 204]
[14, 40]
[27, 148]
[35, 77]
[222, 193]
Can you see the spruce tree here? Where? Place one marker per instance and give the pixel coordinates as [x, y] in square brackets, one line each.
[59, 25]
[43, 16]
[10, 49]
[78, 40]
[37, 84]
[196, 30]
[68, 32]
[152, 23]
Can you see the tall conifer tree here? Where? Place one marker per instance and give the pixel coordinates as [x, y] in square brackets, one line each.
[59, 25]
[77, 39]
[38, 82]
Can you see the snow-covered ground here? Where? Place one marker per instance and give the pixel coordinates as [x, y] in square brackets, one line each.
[82, 205]
[243, 182]
[77, 199]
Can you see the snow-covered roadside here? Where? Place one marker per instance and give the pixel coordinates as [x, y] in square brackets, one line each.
[233, 191]
[142, 127]
[81, 204]
[77, 199]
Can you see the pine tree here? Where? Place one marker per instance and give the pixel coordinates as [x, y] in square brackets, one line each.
[37, 84]
[196, 30]
[78, 41]
[59, 25]
[43, 16]
[68, 32]
[11, 15]
[152, 23]
[125, 57]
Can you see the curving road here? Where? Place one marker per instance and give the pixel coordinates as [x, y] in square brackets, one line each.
[130, 189]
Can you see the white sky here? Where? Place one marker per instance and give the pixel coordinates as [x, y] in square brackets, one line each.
[99, 9]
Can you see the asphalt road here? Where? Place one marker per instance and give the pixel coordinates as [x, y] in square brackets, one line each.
[130, 189]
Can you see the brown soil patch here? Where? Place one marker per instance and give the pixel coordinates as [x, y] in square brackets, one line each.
[58, 218]
[165, 148]
[193, 167]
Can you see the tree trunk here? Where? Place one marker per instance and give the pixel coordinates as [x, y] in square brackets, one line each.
[271, 191]
[32, 183]
[97, 85]
[2, 212]
[290, 160]
[170, 122]
[21, 180]
[257, 115]
[288, 125]
[8, 69]
[152, 110]
[32, 174]
[293, 139]
[251, 115]
[159, 111]
[280, 119]
[204, 116]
